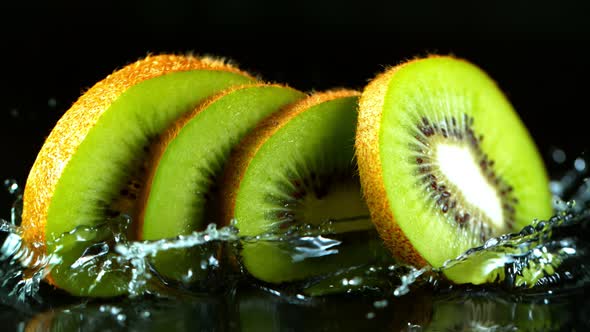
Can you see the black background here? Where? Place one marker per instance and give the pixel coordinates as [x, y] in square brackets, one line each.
[52, 51]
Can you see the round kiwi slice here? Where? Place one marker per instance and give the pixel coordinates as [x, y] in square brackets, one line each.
[297, 168]
[181, 188]
[92, 163]
[445, 163]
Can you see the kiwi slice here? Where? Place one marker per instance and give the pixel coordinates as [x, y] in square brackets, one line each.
[297, 168]
[445, 163]
[92, 163]
[181, 187]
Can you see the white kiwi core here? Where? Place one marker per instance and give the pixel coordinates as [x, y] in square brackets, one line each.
[457, 163]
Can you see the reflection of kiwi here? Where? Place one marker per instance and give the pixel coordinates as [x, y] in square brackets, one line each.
[469, 313]
[296, 168]
[187, 162]
[161, 315]
[445, 162]
[259, 311]
[91, 165]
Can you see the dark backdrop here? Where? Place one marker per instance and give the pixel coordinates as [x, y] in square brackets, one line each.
[536, 51]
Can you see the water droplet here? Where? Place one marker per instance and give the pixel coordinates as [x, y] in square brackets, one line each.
[52, 102]
[187, 277]
[12, 186]
[213, 261]
[273, 292]
[14, 113]
[381, 304]
[540, 226]
[528, 230]
[355, 281]
[418, 328]
[558, 156]
[569, 251]
[491, 242]
[556, 187]
[580, 164]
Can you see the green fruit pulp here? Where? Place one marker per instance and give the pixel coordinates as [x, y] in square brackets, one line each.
[191, 164]
[98, 169]
[438, 88]
[320, 141]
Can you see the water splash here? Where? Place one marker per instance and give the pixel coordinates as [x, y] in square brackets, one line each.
[545, 254]
[531, 257]
[143, 249]
[137, 254]
[21, 271]
[410, 279]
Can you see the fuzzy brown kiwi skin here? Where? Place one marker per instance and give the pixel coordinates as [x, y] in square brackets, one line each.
[159, 147]
[72, 128]
[370, 171]
[244, 152]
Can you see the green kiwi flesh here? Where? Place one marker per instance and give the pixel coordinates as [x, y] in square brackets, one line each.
[103, 163]
[303, 174]
[458, 166]
[182, 190]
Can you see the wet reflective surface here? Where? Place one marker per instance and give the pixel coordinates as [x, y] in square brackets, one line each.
[258, 310]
